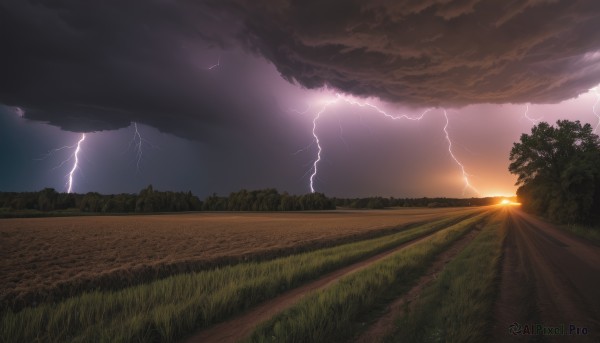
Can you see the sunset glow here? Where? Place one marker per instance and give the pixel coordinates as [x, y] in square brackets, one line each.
[508, 202]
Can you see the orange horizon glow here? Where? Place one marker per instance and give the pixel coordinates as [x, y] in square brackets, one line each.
[507, 202]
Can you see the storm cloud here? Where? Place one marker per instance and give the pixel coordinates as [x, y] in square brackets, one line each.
[431, 52]
[86, 66]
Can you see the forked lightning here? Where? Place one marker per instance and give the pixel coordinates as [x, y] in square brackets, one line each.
[75, 156]
[342, 98]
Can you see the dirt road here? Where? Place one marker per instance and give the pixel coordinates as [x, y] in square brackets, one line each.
[239, 327]
[550, 284]
[385, 325]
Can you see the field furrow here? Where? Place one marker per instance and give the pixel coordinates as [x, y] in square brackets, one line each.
[241, 326]
[458, 305]
[384, 323]
[167, 309]
[49, 259]
[328, 315]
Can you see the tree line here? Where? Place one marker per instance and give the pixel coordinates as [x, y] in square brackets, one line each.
[381, 202]
[268, 200]
[149, 200]
[146, 201]
[558, 169]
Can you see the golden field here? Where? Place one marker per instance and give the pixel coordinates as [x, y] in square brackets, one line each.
[51, 258]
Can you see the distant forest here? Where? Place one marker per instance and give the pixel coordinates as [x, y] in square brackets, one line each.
[380, 202]
[148, 200]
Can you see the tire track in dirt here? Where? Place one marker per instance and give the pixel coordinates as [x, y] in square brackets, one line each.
[241, 326]
[548, 278]
[385, 324]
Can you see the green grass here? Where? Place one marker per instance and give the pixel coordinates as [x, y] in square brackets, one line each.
[588, 233]
[168, 309]
[458, 306]
[329, 315]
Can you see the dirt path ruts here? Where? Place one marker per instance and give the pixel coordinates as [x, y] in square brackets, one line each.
[385, 324]
[550, 278]
[241, 326]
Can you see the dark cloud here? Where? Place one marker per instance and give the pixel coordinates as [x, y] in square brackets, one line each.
[100, 65]
[431, 52]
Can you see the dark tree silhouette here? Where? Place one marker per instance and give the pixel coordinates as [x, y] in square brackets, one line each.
[558, 169]
[148, 200]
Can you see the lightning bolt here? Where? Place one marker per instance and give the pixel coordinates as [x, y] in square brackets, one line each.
[215, 65]
[532, 120]
[318, 143]
[296, 111]
[380, 111]
[595, 89]
[354, 102]
[137, 141]
[303, 149]
[462, 167]
[53, 151]
[19, 111]
[75, 156]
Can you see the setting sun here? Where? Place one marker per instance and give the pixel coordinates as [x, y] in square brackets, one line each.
[508, 202]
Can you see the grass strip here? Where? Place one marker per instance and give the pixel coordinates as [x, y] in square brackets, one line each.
[328, 315]
[168, 309]
[459, 305]
[589, 233]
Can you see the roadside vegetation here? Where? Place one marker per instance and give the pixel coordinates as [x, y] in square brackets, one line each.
[311, 320]
[458, 306]
[558, 169]
[168, 309]
[588, 233]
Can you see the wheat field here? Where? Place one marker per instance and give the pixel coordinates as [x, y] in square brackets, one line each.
[51, 258]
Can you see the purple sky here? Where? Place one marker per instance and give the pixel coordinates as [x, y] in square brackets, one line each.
[247, 123]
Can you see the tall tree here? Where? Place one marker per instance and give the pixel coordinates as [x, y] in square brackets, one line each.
[558, 169]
